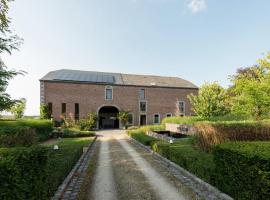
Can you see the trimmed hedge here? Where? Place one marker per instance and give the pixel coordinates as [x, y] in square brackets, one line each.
[72, 133]
[187, 156]
[142, 138]
[213, 133]
[23, 173]
[243, 169]
[43, 128]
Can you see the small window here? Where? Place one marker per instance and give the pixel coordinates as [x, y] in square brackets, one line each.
[50, 108]
[169, 115]
[156, 118]
[63, 109]
[77, 111]
[143, 106]
[181, 107]
[130, 118]
[109, 93]
[142, 94]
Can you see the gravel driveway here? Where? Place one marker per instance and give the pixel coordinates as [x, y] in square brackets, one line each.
[127, 172]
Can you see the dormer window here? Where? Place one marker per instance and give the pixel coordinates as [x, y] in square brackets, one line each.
[109, 93]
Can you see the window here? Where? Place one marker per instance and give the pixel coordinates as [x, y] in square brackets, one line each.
[181, 107]
[156, 118]
[109, 93]
[169, 115]
[130, 118]
[77, 111]
[142, 94]
[63, 109]
[143, 106]
[50, 108]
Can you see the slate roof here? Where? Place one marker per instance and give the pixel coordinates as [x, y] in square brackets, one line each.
[65, 75]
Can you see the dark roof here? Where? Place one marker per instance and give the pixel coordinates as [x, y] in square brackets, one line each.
[64, 75]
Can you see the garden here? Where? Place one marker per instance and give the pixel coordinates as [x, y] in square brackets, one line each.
[231, 145]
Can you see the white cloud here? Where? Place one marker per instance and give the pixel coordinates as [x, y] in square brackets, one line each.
[197, 5]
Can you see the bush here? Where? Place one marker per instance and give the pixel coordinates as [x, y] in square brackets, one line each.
[90, 123]
[22, 173]
[181, 120]
[72, 132]
[213, 133]
[187, 156]
[43, 128]
[142, 138]
[17, 136]
[243, 169]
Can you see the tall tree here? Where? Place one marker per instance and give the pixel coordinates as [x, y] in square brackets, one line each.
[211, 101]
[8, 43]
[18, 109]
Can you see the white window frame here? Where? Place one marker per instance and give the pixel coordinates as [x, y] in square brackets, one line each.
[132, 119]
[143, 94]
[108, 87]
[158, 118]
[169, 114]
[184, 107]
[146, 106]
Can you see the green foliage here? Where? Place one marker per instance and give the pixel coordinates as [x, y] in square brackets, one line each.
[251, 89]
[182, 120]
[18, 109]
[89, 123]
[73, 132]
[17, 136]
[43, 128]
[23, 173]
[45, 112]
[123, 116]
[61, 162]
[243, 169]
[142, 138]
[211, 101]
[187, 156]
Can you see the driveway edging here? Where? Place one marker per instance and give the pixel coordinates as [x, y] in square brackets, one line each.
[200, 187]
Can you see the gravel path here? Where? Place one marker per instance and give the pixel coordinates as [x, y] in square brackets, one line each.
[125, 171]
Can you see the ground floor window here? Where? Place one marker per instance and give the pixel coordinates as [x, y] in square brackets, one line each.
[130, 119]
[181, 108]
[143, 120]
[50, 108]
[169, 115]
[77, 111]
[63, 109]
[156, 118]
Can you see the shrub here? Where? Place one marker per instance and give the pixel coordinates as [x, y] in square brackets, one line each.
[213, 133]
[181, 120]
[17, 136]
[43, 128]
[90, 123]
[187, 156]
[243, 169]
[45, 112]
[22, 173]
[71, 133]
[142, 138]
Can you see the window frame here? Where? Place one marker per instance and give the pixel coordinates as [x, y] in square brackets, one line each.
[143, 101]
[108, 87]
[158, 114]
[132, 123]
[140, 97]
[184, 107]
[64, 109]
[76, 114]
[169, 114]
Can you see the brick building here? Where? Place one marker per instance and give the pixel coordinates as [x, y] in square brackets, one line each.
[149, 99]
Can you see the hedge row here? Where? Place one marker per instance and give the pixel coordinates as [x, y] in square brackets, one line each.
[213, 133]
[73, 133]
[23, 173]
[243, 169]
[40, 128]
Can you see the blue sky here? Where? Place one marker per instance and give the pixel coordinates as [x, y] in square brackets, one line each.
[199, 40]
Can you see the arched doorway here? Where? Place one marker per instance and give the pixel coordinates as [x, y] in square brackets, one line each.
[107, 117]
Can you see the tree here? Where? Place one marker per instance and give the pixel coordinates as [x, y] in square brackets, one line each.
[45, 112]
[251, 90]
[211, 101]
[123, 116]
[18, 109]
[8, 43]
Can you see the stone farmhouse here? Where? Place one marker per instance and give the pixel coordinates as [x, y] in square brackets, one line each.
[149, 99]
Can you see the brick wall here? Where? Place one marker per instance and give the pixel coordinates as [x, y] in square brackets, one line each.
[91, 97]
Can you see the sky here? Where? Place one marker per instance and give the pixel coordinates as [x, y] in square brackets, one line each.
[198, 40]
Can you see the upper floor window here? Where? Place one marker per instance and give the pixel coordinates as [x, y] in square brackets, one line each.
[142, 94]
[109, 93]
[156, 118]
[143, 106]
[181, 107]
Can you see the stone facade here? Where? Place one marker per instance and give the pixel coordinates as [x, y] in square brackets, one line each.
[91, 97]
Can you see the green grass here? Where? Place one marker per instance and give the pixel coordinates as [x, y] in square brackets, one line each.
[61, 162]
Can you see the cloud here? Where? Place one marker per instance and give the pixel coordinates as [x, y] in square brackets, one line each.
[197, 5]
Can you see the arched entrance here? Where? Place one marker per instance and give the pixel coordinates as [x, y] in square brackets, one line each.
[107, 117]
